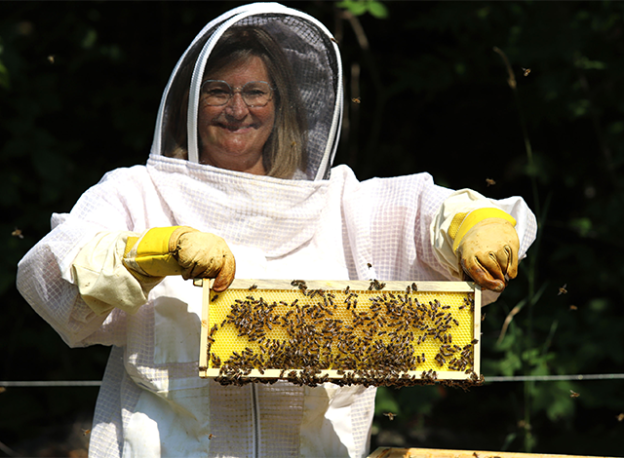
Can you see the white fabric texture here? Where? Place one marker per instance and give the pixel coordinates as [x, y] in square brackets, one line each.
[152, 402]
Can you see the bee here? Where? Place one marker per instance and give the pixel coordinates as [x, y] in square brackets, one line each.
[574, 394]
[334, 40]
[293, 144]
[252, 287]
[620, 417]
[210, 436]
[17, 233]
[483, 317]
[526, 71]
[573, 307]
[86, 432]
[370, 266]
[51, 58]
[356, 100]
[390, 415]
[215, 297]
[563, 290]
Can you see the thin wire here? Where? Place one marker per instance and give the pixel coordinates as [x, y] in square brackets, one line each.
[487, 379]
[552, 378]
[55, 383]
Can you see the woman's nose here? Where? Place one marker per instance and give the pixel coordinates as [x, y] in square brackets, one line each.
[236, 107]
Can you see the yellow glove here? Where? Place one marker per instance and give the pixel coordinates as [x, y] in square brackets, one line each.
[181, 250]
[487, 246]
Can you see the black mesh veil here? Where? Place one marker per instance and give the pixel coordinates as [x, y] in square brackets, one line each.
[315, 64]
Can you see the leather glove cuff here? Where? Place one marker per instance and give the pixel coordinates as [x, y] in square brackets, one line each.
[463, 222]
[154, 253]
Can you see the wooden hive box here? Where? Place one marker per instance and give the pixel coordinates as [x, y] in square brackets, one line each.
[398, 452]
[347, 332]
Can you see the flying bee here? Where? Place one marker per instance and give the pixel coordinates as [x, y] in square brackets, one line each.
[574, 394]
[85, 432]
[490, 182]
[526, 71]
[573, 307]
[390, 415]
[356, 100]
[210, 436]
[334, 40]
[17, 233]
[620, 417]
[563, 290]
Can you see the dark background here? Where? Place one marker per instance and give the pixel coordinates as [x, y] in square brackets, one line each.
[80, 85]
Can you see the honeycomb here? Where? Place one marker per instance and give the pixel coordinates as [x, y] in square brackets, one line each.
[372, 333]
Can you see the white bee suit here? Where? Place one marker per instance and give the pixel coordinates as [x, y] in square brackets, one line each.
[324, 225]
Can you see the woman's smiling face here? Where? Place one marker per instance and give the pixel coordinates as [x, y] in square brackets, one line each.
[233, 135]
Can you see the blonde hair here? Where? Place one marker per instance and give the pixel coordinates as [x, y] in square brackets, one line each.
[285, 150]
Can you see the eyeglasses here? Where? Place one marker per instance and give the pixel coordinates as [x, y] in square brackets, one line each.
[218, 93]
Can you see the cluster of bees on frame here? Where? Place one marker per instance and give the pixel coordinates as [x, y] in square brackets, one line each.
[374, 344]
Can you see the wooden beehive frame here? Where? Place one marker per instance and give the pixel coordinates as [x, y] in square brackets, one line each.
[257, 287]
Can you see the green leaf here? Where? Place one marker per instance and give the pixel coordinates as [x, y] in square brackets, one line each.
[4, 76]
[582, 225]
[586, 64]
[357, 8]
[4, 73]
[378, 9]
[89, 39]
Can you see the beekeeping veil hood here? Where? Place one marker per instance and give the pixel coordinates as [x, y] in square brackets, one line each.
[275, 215]
[315, 63]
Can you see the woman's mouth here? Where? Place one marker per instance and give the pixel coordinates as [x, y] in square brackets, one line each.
[235, 127]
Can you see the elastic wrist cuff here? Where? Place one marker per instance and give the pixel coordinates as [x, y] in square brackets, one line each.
[469, 220]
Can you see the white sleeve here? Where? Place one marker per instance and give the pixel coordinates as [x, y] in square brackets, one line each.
[103, 280]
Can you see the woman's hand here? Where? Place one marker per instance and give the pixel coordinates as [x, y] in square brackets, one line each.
[181, 250]
[205, 255]
[488, 253]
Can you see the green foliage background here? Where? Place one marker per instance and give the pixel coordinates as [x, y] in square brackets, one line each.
[80, 84]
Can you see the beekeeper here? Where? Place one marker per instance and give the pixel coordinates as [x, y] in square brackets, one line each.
[239, 179]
